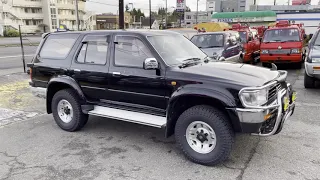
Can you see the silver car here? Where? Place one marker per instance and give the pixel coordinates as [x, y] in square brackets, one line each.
[312, 62]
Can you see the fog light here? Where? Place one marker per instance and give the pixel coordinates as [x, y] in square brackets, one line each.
[286, 103]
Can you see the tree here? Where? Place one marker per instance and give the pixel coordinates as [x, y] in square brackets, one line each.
[137, 14]
[187, 9]
[127, 8]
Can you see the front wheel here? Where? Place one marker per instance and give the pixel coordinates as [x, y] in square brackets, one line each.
[66, 110]
[204, 135]
[309, 82]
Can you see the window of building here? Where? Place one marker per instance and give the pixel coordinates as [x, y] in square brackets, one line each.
[94, 52]
[130, 51]
[58, 46]
[53, 11]
[188, 17]
[26, 10]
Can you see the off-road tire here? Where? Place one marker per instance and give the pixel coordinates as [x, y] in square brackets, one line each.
[218, 122]
[309, 82]
[79, 119]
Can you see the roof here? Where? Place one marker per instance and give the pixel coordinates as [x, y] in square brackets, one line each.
[245, 14]
[146, 32]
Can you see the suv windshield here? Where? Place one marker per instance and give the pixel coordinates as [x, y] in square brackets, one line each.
[175, 49]
[208, 40]
[282, 35]
[243, 36]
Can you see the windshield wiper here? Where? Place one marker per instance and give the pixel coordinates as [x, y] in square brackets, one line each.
[316, 44]
[290, 41]
[189, 62]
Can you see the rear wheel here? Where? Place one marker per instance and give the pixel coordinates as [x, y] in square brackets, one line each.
[66, 110]
[204, 135]
[309, 82]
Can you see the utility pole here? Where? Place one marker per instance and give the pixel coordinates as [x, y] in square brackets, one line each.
[166, 14]
[121, 15]
[77, 14]
[197, 11]
[150, 12]
[22, 51]
[274, 2]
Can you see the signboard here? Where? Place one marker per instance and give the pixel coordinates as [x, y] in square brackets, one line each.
[181, 5]
[211, 5]
[62, 27]
[234, 20]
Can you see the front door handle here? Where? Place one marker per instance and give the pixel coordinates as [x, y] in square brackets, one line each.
[116, 73]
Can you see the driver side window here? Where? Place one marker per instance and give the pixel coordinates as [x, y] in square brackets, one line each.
[130, 51]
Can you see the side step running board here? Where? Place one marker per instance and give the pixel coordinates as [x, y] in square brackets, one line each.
[129, 116]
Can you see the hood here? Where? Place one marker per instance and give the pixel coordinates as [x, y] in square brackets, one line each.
[232, 73]
[315, 52]
[211, 51]
[284, 45]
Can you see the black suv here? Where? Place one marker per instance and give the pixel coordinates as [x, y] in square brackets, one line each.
[159, 79]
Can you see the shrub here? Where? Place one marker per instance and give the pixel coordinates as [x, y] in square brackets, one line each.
[11, 33]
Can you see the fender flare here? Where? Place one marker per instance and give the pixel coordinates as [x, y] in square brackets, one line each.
[218, 94]
[68, 82]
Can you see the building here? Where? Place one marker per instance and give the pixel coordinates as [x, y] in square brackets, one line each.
[105, 21]
[285, 8]
[190, 18]
[310, 20]
[229, 5]
[40, 15]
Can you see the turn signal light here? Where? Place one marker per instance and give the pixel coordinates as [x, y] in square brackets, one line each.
[316, 67]
[266, 117]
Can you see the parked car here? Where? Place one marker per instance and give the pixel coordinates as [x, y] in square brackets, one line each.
[187, 32]
[159, 79]
[312, 61]
[222, 46]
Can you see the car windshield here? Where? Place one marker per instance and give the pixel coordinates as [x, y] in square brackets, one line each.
[281, 35]
[175, 49]
[208, 40]
[243, 36]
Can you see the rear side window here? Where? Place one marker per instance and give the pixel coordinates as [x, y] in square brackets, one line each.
[58, 46]
[94, 51]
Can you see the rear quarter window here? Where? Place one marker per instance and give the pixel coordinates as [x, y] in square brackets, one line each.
[58, 46]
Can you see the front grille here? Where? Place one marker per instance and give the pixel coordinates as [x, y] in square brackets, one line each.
[279, 51]
[272, 93]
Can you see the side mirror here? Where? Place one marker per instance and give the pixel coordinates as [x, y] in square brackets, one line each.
[250, 39]
[150, 63]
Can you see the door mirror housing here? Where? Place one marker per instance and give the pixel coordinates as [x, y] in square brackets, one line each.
[150, 64]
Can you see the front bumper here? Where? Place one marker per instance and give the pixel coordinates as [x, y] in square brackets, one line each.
[312, 69]
[280, 58]
[268, 120]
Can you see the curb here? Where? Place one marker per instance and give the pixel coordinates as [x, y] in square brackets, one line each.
[17, 45]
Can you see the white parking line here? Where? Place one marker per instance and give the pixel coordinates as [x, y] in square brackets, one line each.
[15, 56]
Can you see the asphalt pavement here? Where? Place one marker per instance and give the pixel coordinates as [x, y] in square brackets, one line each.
[16, 40]
[11, 58]
[32, 146]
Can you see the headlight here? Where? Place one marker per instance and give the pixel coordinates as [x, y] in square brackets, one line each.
[254, 97]
[264, 51]
[316, 60]
[295, 51]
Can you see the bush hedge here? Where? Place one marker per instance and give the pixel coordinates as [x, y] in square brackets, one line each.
[11, 33]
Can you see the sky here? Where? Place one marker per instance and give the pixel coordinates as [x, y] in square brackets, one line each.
[111, 6]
